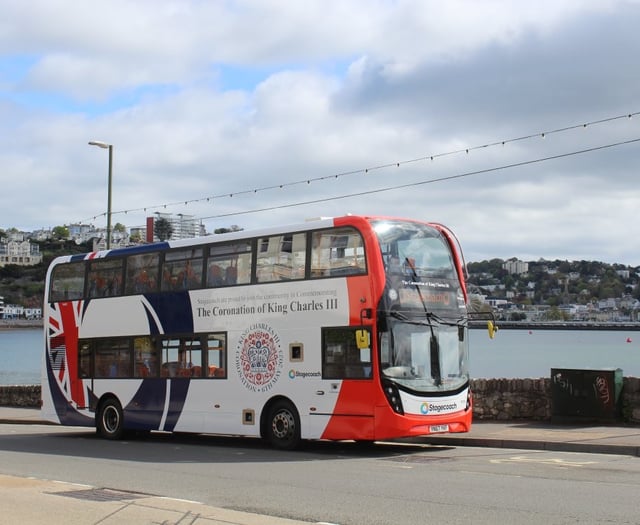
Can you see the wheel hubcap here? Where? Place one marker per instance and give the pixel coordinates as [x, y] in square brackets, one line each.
[283, 425]
[111, 419]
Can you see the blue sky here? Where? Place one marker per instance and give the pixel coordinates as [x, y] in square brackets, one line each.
[206, 99]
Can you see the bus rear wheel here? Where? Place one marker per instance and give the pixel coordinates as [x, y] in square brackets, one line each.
[283, 426]
[110, 420]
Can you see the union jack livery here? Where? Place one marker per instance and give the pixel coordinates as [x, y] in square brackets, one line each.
[347, 328]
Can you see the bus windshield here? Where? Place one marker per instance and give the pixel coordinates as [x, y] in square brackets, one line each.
[422, 314]
[424, 358]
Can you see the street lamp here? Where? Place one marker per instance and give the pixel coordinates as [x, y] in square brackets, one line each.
[104, 145]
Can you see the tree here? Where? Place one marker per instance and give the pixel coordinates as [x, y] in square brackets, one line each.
[136, 238]
[11, 271]
[162, 229]
[119, 227]
[60, 232]
[555, 314]
[232, 228]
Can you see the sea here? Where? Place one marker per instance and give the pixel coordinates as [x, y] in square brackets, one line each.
[20, 356]
[510, 354]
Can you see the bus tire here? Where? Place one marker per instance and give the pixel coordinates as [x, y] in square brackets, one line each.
[283, 426]
[110, 420]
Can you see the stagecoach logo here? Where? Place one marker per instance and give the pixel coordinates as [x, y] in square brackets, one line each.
[426, 408]
[259, 358]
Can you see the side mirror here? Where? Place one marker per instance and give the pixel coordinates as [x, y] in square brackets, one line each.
[492, 329]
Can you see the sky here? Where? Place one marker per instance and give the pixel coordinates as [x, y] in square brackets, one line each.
[516, 124]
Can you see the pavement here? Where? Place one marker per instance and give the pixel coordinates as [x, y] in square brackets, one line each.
[39, 501]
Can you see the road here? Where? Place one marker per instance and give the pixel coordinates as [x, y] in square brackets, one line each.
[340, 483]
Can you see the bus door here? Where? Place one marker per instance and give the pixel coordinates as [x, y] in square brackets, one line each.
[348, 373]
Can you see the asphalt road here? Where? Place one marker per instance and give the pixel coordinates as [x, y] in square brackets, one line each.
[339, 483]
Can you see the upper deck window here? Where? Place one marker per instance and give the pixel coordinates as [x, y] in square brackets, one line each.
[182, 270]
[419, 265]
[229, 264]
[142, 273]
[415, 251]
[281, 257]
[105, 278]
[67, 282]
[337, 252]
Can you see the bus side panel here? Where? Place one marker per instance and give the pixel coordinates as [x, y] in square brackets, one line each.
[353, 416]
[278, 317]
[64, 392]
[157, 404]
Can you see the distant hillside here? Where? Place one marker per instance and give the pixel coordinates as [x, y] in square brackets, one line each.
[555, 282]
[24, 285]
[546, 282]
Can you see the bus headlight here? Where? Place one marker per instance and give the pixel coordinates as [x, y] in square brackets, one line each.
[393, 397]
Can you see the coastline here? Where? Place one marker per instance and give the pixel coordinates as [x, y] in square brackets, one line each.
[557, 325]
[8, 324]
[20, 324]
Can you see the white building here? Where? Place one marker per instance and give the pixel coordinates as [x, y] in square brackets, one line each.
[17, 250]
[12, 311]
[514, 266]
[33, 313]
[182, 226]
[81, 232]
[100, 243]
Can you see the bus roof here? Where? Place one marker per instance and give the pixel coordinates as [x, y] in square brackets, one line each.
[309, 224]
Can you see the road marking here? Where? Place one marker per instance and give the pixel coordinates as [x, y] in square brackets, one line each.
[556, 462]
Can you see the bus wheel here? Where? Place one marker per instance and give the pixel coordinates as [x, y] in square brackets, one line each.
[283, 426]
[110, 420]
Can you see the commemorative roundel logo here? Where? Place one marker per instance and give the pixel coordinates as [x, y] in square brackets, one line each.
[259, 358]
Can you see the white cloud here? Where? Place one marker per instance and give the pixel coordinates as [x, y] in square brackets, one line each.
[332, 87]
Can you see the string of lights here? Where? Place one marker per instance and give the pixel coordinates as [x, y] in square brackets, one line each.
[430, 181]
[432, 157]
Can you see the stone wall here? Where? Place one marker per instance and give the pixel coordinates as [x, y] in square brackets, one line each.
[631, 400]
[494, 399]
[506, 399]
[531, 399]
[27, 396]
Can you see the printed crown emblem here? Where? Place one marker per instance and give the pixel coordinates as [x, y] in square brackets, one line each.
[258, 357]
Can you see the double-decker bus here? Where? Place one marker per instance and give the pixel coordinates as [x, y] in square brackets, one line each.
[351, 328]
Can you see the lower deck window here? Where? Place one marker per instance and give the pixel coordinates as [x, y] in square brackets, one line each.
[341, 357]
[112, 358]
[179, 356]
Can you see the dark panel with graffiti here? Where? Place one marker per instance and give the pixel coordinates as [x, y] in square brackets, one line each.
[586, 394]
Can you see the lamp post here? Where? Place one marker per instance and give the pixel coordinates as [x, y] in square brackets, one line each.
[104, 145]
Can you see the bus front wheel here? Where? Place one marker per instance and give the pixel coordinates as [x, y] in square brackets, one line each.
[110, 420]
[283, 426]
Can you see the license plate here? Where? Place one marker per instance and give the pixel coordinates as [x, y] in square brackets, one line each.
[433, 429]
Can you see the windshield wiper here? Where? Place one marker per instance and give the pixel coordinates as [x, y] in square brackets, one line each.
[400, 316]
[434, 345]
